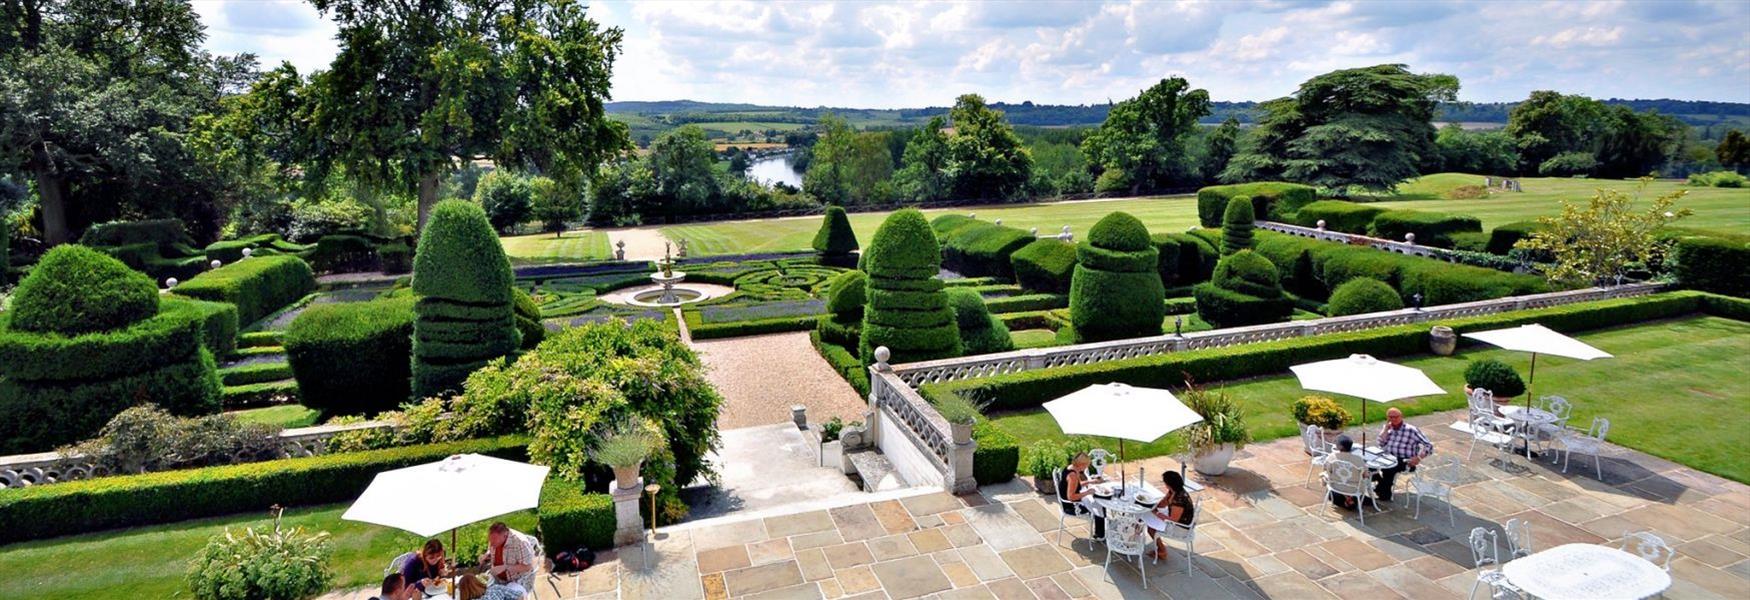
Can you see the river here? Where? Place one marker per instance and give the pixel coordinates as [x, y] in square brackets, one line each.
[774, 169]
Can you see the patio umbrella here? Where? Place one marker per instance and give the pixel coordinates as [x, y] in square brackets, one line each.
[443, 496]
[1121, 411]
[1367, 378]
[1537, 339]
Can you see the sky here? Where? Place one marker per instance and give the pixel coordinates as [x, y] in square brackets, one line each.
[912, 54]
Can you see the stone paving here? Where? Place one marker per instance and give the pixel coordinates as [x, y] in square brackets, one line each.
[1263, 535]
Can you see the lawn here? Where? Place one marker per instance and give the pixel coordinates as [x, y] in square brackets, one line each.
[150, 562]
[1675, 390]
[284, 415]
[572, 246]
[1724, 209]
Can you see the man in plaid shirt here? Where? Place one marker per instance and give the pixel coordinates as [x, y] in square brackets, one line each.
[1404, 441]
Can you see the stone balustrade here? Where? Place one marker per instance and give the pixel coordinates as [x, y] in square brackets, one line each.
[1400, 247]
[21, 470]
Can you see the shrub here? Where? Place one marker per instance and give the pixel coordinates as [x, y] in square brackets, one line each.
[835, 240]
[1042, 458]
[464, 315]
[571, 519]
[1363, 295]
[1431, 229]
[1197, 258]
[1236, 226]
[1495, 376]
[1714, 264]
[1167, 262]
[353, 358]
[908, 312]
[1723, 179]
[997, 456]
[1271, 200]
[1502, 239]
[147, 438]
[1347, 217]
[1444, 283]
[1116, 291]
[980, 249]
[1223, 420]
[528, 319]
[1313, 268]
[505, 197]
[74, 290]
[218, 322]
[1045, 265]
[266, 244]
[161, 232]
[844, 362]
[1470, 241]
[1321, 411]
[282, 564]
[1026, 302]
[1245, 290]
[846, 294]
[258, 286]
[979, 331]
[395, 258]
[343, 253]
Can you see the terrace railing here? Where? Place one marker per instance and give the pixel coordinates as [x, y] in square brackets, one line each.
[1400, 247]
[922, 445]
[21, 470]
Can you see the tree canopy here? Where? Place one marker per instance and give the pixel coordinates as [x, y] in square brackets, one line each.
[1146, 136]
[988, 159]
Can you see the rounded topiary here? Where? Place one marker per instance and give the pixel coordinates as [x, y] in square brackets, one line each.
[1248, 272]
[1495, 376]
[907, 311]
[528, 319]
[1116, 291]
[1244, 290]
[846, 294]
[835, 237]
[75, 290]
[981, 332]
[465, 315]
[1363, 295]
[1236, 225]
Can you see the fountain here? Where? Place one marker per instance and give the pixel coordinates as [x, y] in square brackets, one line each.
[663, 291]
[666, 276]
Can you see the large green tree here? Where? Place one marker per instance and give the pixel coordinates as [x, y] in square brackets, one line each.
[1367, 128]
[987, 159]
[924, 176]
[1480, 152]
[1734, 150]
[1146, 136]
[419, 86]
[680, 167]
[848, 167]
[1551, 123]
[1219, 148]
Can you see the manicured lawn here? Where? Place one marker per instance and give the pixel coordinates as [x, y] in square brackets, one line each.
[284, 415]
[1676, 390]
[1724, 209]
[1033, 338]
[150, 562]
[572, 246]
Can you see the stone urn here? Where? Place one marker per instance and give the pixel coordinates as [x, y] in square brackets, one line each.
[1442, 341]
[626, 478]
[1213, 461]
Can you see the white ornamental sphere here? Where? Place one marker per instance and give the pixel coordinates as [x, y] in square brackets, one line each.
[882, 354]
[248, 252]
[216, 263]
[170, 282]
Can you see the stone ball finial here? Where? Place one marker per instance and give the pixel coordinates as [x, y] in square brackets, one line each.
[998, 221]
[248, 252]
[881, 356]
[1321, 224]
[971, 215]
[1409, 238]
[1066, 230]
[170, 282]
[1033, 232]
[215, 264]
[621, 243]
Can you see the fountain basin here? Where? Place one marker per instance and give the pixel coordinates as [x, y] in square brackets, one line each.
[649, 295]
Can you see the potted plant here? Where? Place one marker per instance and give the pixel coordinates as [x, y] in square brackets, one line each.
[1323, 412]
[1214, 441]
[624, 448]
[831, 449]
[1040, 460]
[1495, 376]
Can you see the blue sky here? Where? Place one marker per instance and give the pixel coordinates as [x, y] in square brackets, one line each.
[893, 54]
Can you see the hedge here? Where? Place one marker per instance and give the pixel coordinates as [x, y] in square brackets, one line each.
[1714, 265]
[528, 319]
[847, 294]
[341, 253]
[1044, 265]
[395, 259]
[978, 249]
[700, 330]
[1502, 239]
[1026, 302]
[998, 454]
[1431, 229]
[219, 322]
[980, 333]
[1347, 217]
[1271, 200]
[1123, 299]
[87, 505]
[44, 414]
[162, 232]
[908, 312]
[572, 519]
[258, 286]
[1029, 389]
[353, 358]
[464, 316]
[255, 373]
[835, 240]
[75, 290]
[1363, 295]
[1313, 268]
[266, 244]
[844, 362]
[252, 395]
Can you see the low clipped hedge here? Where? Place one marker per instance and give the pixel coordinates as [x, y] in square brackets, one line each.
[998, 454]
[1044, 265]
[1431, 229]
[1502, 239]
[219, 322]
[1363, 295]
[395, 258]
[353, 358]
[1713, 264]
[340, 253]
[251, 395]
[88, 505]
[266, 244]
[700, 330]
[122, 233]
[1029, 389]
[1026, 302]
[1314, 268]
[844, 362]
[1271, 200]
[255, 373]
[258, 286]
[571, 518]
[1347, 217]
[976, 248]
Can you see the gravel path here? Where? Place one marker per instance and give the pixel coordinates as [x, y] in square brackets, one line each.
[761, 376]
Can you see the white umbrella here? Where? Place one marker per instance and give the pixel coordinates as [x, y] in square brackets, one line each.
[1121, 411]
[1537, 339]
[443, 496]
[1367, 378]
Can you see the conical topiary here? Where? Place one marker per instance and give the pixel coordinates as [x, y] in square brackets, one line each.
[465, 317]
[1116, 291]
[908, 312]
[835, 238]
[1236, 225]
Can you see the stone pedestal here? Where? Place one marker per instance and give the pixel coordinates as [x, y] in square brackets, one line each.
[960, 455]
[629, 525]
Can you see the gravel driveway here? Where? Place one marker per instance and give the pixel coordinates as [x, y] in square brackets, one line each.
[761, 376]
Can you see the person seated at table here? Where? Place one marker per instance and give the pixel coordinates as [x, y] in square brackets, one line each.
[1346, 453]
[1078, 475]
[426, 567]
[1174, 507]
[1403, 441]
[510, 560]
[395, 588]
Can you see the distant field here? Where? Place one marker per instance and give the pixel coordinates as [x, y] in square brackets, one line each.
[1724, 209]
[735, 126]
[544, 248]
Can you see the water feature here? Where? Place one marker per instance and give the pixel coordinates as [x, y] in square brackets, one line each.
[774, 169]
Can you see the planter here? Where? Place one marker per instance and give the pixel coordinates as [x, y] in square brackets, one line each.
[1043, 486]
[832, 454]
[961, 432]
[1213, 461]
[626, 478]
[1442, 341]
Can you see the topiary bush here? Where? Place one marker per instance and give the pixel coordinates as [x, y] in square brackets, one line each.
[258, 286]
[1495, 376]
[528, 319]
[978, 249]
[1116, 291]
[908, 312]
[846, 296]
[981, 332]
[1245, 290]
[1271, 200]
[82, 290]
[1347, 217]
[353, 358]
[1236, 226]
[1167, 249]
[1714, 264]
[836, 242]
[464, 315]
[1363, 295]
[1431, 229]
[161, 232]
[1045, 265]
[219, 322]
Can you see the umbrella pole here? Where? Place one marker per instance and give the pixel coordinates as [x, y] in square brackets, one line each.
[453, 548]
[1531, 381]
[1121, 483]
[1364, 424]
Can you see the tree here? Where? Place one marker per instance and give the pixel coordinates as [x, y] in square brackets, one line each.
[908, 312]
[923, 175]
[1550, 123]
[419, 86]
[1480, 152]
[1145, 137]
[1365, 128]
[738, 162]
[1219, 148]
[506, 198]
[555, 204]
[986, 157]
[847, 167]
[1594, 243]
[1116, 290]
[1636, 143]
[1236, 225]
[681, 168]
[464, 317]
[618, 192]
[1734, 150]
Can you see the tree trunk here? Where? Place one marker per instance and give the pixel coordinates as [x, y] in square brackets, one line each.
[428, 196]
[52, 193]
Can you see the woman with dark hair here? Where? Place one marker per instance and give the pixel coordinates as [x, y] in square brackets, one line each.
[426, 567]
[1174, 507]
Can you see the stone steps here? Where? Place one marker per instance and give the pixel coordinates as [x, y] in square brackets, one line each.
[873, 471]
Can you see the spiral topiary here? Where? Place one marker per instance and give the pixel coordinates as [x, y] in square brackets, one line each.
[1363, 295]
[836, 241]
[1245, 290]
[1116, 291]
[465, 316]
[1236, 225]
[907, 311]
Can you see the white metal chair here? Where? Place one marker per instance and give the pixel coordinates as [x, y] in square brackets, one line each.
[1484, 553]
[1436, 477]
[1069, 509]
[1482, 429]
[1482, 405]
[1174, 530]
[1562, 409]
[1127, 535]
[1518, 538]
[1650, 547]
[1344, 478]
[1591, 442]
[1314, 438]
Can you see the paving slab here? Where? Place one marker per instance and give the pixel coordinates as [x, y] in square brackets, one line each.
[911, 577]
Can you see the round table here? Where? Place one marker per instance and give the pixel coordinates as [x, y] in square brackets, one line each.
[1526, 421]
[1107, 495]
[1377, 459]
[1586, 571]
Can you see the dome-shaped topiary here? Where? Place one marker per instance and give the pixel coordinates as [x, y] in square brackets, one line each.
[846, 294]
[835, 236]
[981, 332]
[1363, 295]
[1244, 290]
[465, 315]
[904, 243]
[75, 290]
[907, 311]
[1495, 376]
[1115, 290]
[1236, 225]
[1249, 273]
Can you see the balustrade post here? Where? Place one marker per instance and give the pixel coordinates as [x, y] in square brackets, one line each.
[960, 459]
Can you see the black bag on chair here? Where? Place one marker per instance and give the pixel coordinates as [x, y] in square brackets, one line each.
[571, 562]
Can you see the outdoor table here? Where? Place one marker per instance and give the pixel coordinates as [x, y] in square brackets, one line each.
[1377, 459]
[1526, 421]
[1586, 571]
[1107, 495]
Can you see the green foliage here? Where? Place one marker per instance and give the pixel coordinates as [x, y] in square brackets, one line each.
[1314, 268]
[258, 286]
[230, 251]
[506, 197]
[87, 505]
[1045, 265]
[1495, 376]
[848, 167]
[1236, 226]
[1347, 217]
[1595, 242]
[997, 456]
[1321, 411]
[1248, 273]
[395, 259]
[1431, 229]
[1244, 290]
[1363, 295]
[986, 158]
[1482, 152]
[844, 361]
[74, 289]
[246, 374]
[924, 166]
[465, 318]
[978, 249]
[1223, 420]
[147, 438]
[979, 331]
[353, 358]
[1116, 291]
[1719, 179]
[626, 444]
[283, 564]
[555, 203]
[835, 236]
[1714, 264]
[162, 232]
[218, 322]
[1145, 138]
[528, 319]
[907, 313]
[846, 294]
[1502, 239]
[571, 518]
[1272, 200]
[342, 253]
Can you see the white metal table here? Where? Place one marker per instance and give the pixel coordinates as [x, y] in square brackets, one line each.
[1586, 572]
[1526, 421]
